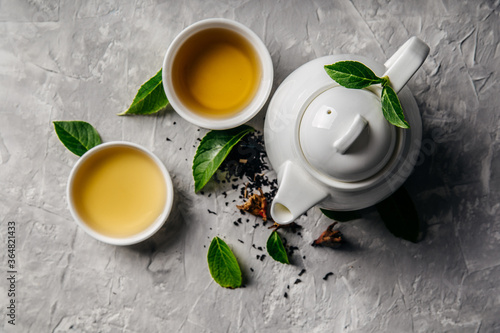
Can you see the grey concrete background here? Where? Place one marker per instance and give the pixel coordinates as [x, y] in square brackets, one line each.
[84, 60]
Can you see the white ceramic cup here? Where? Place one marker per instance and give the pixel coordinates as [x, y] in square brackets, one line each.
[264, 86]
[145, 233]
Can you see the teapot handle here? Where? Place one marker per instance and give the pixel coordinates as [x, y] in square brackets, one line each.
[405, 62]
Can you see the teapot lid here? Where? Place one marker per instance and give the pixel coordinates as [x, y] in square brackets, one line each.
[344, 135]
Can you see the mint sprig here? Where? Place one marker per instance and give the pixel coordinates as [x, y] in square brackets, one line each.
[213, 150]
[355, 75]
[276, 249]
[150, 98]
[78, 136]
[400, 216]
[223, 265]
[391, 107]
[352, 74]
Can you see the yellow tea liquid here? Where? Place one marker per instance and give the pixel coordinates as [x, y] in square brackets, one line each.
[216, 73]
[119, 191]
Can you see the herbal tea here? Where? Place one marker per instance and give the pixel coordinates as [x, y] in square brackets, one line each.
[119, 191]
[216, 73]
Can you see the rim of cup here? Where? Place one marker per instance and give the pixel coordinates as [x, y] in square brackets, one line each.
[142, 235]
[261, 95]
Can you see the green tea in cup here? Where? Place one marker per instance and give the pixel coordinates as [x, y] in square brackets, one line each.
[217, 74]
[120, 193]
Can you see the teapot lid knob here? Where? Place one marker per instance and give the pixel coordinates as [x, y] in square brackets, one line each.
[354, 131]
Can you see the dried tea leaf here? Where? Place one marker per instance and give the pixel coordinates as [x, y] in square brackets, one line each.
[293, 227]
[329, 237]
[256, 205]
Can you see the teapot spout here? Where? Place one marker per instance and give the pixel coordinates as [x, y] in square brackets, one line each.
[298, 191]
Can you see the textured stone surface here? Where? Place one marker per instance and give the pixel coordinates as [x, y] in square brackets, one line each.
[84, 60]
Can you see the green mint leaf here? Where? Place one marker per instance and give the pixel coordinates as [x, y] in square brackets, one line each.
[341, 216]
[392, 109]
[400, 216]
[276, 249]
[223, 265]
[352, 74]
[150, 98]
[213, 149]
[77, 136]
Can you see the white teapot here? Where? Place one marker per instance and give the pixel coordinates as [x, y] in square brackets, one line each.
[331, 146]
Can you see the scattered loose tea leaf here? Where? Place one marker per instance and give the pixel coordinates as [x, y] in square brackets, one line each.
[276, 249]
[327, 275]
[341, 216]
[223, 265]
[400, 215]
[352, 74]
[291, 249]
[246, 160]
[150, 98]
[256, 205]
[212, 151]
[329, 237]
[77, 136]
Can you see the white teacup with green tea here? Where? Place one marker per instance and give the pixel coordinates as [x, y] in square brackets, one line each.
[120, 193]
[217, 74]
